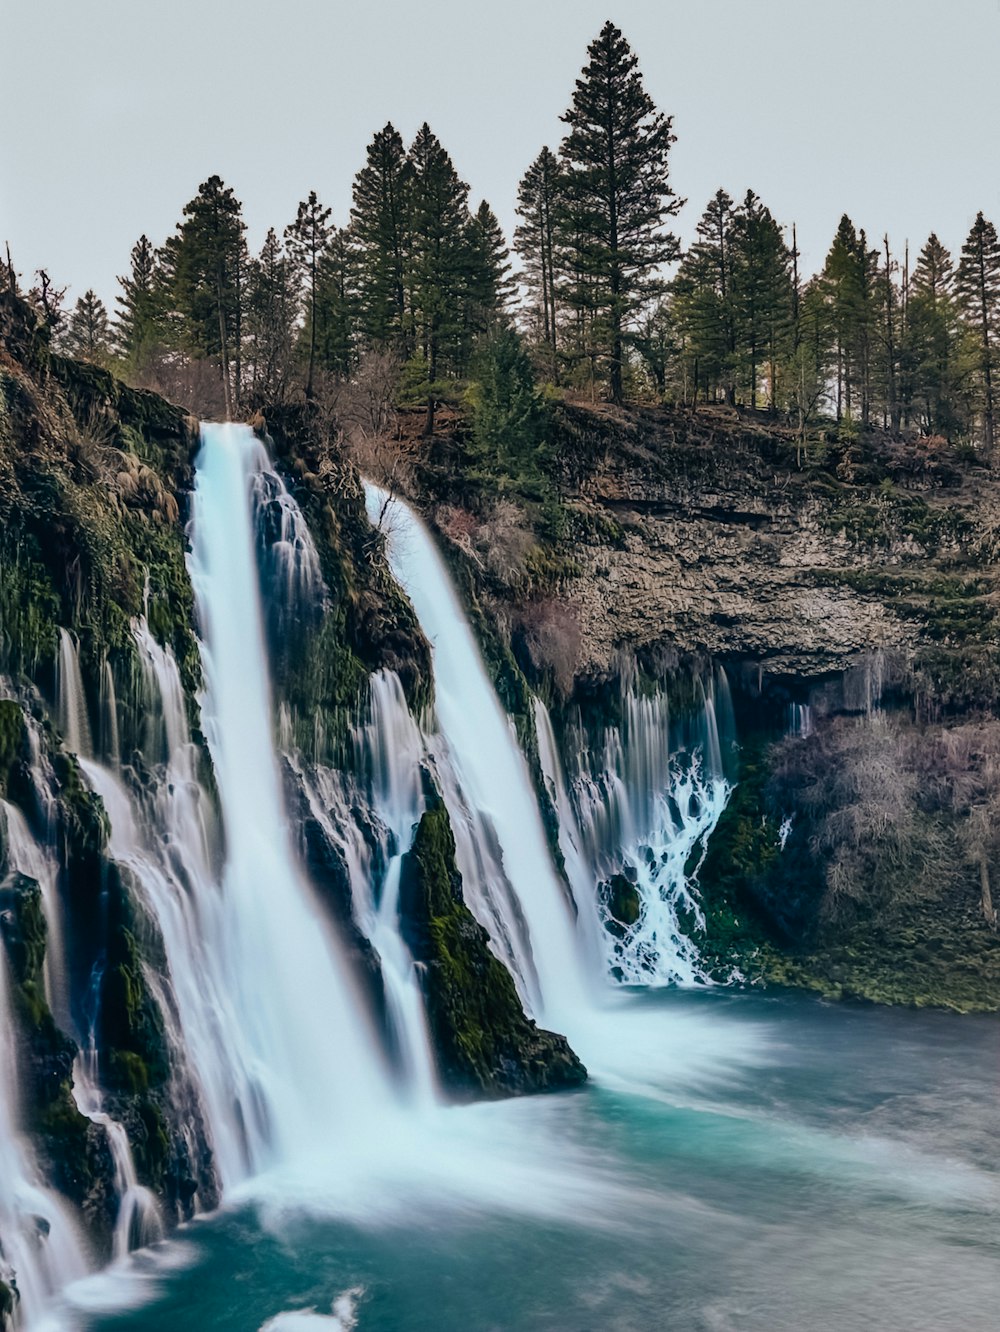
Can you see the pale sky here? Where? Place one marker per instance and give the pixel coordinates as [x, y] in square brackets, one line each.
[113, 111]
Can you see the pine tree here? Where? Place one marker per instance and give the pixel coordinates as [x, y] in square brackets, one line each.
[205, 267]
[438, 262]
[272, 310]
[703, 299]
[335, 305]
[87, 335]
[140, 301]
[538, 203]
[842, 284]
[491, 287]
[380, 234]
[762, 294]
[307, 238]
[978, 286]
[617, 192]
[935, 337]
[508, 411]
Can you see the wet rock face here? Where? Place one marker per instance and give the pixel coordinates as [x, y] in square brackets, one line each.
[485, 1046]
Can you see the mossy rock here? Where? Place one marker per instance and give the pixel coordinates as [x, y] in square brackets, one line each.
[484, 1043]
[623, 903]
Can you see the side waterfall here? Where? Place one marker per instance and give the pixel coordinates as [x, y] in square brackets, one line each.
[40, 1252]
[637, 807]
[481, 751]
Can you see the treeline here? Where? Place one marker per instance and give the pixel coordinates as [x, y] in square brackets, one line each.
[603, 301]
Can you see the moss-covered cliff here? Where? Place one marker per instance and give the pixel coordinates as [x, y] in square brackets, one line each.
[483, 1041]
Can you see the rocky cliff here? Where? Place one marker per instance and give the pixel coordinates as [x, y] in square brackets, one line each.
[853, 576]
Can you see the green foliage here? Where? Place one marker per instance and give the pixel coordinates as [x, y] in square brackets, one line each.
[483, 1041]
[509, 417]
[380, 233]
[978, 288]
[12, 738]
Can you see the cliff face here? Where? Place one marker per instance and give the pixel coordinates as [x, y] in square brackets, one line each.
[856, 577]
[724, 542]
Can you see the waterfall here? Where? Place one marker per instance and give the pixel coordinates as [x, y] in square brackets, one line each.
[637, 807]
[481, 767]
[307, 1068]
[72, 701]
[389, 751]
[39, 1249]
[138, 1221]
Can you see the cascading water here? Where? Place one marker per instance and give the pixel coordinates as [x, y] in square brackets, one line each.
[138, 1221]
[305, 1065]
[40, 1252]
[390, 750]
[481, 767]
[73, 720]
[638, 805]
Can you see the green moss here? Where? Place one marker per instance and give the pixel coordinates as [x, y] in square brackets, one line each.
[483, 1041]
[13, 736]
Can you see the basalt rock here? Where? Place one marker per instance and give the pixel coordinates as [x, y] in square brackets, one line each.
[484, 1043]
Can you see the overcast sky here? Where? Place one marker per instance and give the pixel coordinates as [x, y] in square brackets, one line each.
[113, 111]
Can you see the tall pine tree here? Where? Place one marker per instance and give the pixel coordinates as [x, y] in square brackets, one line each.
[762, 295]
[380, 234]
[140, 302]
[307, 238]
[87, 334]
[438, 262]
[978, 288]
[538, 202]
[617, 192]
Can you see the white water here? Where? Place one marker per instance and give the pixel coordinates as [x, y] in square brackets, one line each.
[39, 1247]
[495, 783]
[311, 1071]
[73, 720]
[390, 749]
[139, 1221]
[639, 805]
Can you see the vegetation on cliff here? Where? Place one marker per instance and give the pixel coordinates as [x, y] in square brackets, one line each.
[483, 1042]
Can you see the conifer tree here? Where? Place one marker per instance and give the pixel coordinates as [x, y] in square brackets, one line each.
[272, 310]
[703, 298]
[439, 260]
[762, 294]
[618, 195]
[978, 286]
[935, 336]
[508, 412]
[205, 265]
[307, 238]
[538, 203]
[491, 287]
[840, 285]
[87, 334]
[335, 305]
[380, 234]
[139, 306]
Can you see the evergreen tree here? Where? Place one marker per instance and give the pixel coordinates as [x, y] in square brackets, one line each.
[307, 238]
[935, 338]
[205, 268]
[335, 305]
[508, 411]
[87, 334]
[380, 233]
[439, 261]
[491, 287]
[272, 311]
[843, 283]
[762, 294]
[538, 203]
[703, 300]
[140, 302]
[617, 191]
[978, 287]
